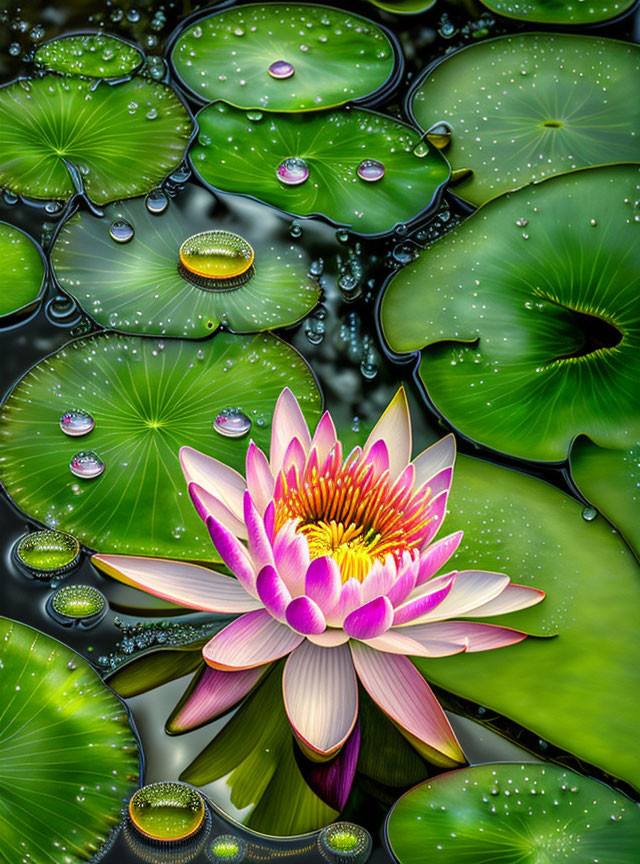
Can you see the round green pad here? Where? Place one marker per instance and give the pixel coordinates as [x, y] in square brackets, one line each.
[68, 756]
[125, 139]
[95, 55]
[530, 318]
[22, 272]
[540, 104]
[570, 12]
[517, 814]
[237, 154]
[404, 7]
[337, 57]
[148, 399]
[167, 811]
[135, 287]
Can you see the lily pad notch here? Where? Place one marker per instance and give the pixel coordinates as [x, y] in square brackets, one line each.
[23, 279]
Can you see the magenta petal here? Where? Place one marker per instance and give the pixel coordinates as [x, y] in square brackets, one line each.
[436, 556]
[251, 640]
[378, 456]
[273, 592]
[429, 600]
[291, 552]
[349, 600]
[260, 549]
[332, 781]
[437, 509]
[305, 616]
[369, 620]
[404, 584]
[323, 583]
[212, 693]
[440, 482]
[233, 554]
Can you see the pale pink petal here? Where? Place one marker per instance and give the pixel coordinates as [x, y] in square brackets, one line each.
[187, 584]
[251, 640]
[440, 455]
[437, 511]
[207, 505]
[437, 555]
[331, 637]
[260, 549]
[288, 422]
[218, 479]
[273, 592]
[471, 589]
[305, 616]
[213, 693]
[472, 635]
[259, 478]
[379, 580]
[291, 553]
[320, 697]
[350, 599]
[430, 597]
[369, 620]
[233, 553]
[294, 457]
[395, 684]
[513, 598]
[398, 642]
[324, 438]
[323, 583]
[394, 428]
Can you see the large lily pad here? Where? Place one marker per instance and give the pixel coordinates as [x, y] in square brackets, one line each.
[136, 288]
[403, 7]
[526, 107]
[124, 140]
[610, 480]
[579, 690]
[570, 12]
[147, 398]
[254, 756]
[527, 814]
[22, 273]
[238, 154]
[336, 57]
[94, 55]
[68, 758]
[529, 316]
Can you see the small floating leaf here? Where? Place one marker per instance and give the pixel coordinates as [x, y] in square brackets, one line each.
[283, 57]
[403, 7]
[21, 275]
[94, 55]
[148, 399]
[104, 133]
[559, 11]
[235, 154]
[137, 287]
[528, 316]
[69, 756]
[167, 812]
[533, 105]
[516, 813]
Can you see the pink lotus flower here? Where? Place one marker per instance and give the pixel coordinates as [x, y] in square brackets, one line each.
[336, 566]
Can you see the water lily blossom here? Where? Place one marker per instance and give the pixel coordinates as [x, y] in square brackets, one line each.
[336, 567]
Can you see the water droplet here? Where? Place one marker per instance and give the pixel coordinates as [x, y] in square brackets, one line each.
[216, 255]
[593, 223]
[293, 171]
[371, 170]
[316, 268]
[255, 116]
[121, 231]
[344, 841]
[281, 69]
[86, 464]
[589, 514]
[47, 553]
[156, 201]
[77, 603]
[295, 229]
[439, 135]
[228, 849]
[232, 423]
[167, 812]
[77, 422]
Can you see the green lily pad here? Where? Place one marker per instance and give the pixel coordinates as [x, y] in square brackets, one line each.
[540, 104]
[68, 758]
[22, 275]
[94, 55]
[238, 154]
[529, 317]
[404, 7]
[136, 287]
[610, 480]
[513, 813]
[148, 399]
[336, 57]
[254, 755]
[124, 140]
[559, 11]
[580, 690]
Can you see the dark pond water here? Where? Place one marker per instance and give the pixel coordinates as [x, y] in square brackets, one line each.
[339, 339]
